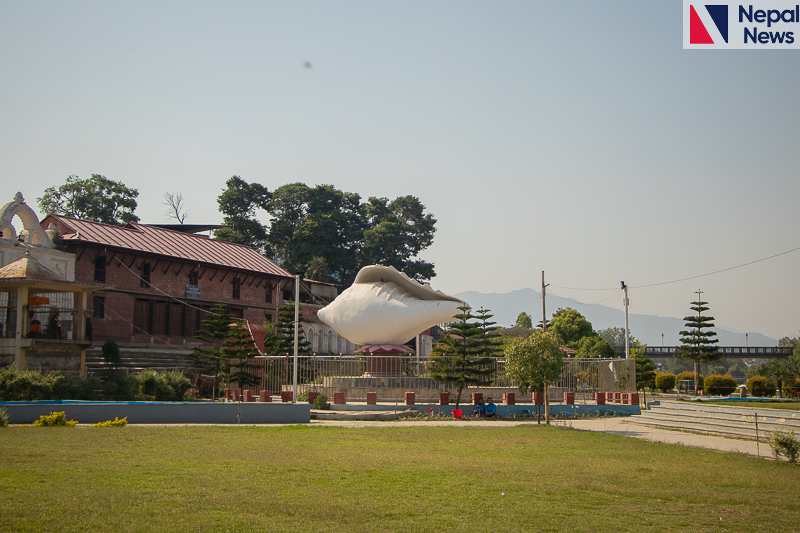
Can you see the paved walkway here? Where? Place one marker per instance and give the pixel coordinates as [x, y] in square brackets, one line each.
[616, 426]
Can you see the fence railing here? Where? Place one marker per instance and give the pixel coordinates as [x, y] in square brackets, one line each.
[41, 322]
[348, 373]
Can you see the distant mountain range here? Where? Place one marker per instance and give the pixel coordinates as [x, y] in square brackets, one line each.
[645, 328]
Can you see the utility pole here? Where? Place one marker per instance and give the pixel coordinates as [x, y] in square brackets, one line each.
[627, 332]
[544, 311]
[296, 334]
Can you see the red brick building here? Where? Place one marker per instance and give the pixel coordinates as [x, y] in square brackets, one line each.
[162, 280]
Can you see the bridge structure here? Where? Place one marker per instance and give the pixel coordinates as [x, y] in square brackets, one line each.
[730, 352]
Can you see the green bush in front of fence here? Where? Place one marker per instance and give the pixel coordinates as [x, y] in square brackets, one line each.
[690, 376]
[162, 386]
[786, 445]
[719, 385]
[760, 386]
[4, 419]
[665, 382]
[321, 402]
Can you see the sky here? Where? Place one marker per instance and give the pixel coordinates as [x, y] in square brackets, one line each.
[578, 139]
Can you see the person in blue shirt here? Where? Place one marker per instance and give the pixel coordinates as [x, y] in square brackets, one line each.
[491, 409]
[479, 409]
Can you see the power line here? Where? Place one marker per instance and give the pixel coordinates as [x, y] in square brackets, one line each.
[683, 279]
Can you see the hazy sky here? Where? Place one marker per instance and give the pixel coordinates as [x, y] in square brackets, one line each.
[575, 138]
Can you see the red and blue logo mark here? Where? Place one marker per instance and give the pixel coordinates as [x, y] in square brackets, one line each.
[698, 34]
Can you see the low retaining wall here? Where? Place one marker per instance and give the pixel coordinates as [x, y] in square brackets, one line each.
[163, 413]
[502, 410]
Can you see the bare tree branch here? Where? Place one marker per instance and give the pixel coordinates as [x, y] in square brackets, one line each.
[176, 208]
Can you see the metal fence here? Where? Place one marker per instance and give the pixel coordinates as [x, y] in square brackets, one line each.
[348, 373]
[55, 319]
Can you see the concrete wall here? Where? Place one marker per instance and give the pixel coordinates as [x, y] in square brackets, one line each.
[163, 413]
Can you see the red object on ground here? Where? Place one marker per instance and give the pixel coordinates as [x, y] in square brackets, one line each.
[476, 397]
[339, 398]
[246, 396]
[372, 398]
[312, 396]
[457, 413]
[410, 398]
[569, 398]
[509, 398]
[444, 398]
[286, 396]
[266, 396]
[600, 398]
[537, 398]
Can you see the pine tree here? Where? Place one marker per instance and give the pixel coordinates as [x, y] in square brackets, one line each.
[490, 338]
[284, 345]
[460, 357]
[698, 345]
[239, 347]
[215, 330]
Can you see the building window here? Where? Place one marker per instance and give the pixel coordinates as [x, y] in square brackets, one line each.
[193, 276]
[267, 318]
[100, 269]
[236, 287]
[268, 293]
[144, 282]
[99, 307]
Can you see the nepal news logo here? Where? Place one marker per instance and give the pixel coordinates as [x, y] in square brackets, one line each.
[767, 24]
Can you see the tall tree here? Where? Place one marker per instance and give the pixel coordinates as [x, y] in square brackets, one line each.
[698, 342]
[524, 321]
[535, 361]
[214, 331]
[645, 369]
[594, 346]
[490, 338]
[176, 207]
[570, 326]
[239, 348]
[615, 337]
[396, 233]
[97, 198]
[238, 203]
[459, 359]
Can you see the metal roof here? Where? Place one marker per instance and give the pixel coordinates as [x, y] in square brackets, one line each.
[165, 242]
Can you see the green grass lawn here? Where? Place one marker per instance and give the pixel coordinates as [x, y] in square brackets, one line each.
[455, 478]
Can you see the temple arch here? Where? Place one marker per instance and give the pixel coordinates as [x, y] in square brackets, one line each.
[32, 233]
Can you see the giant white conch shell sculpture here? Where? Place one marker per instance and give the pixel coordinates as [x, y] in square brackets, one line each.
[384, 306]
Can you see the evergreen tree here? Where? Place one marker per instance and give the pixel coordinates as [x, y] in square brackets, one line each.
[697, 344]
[490, 339]
[239, 347]
[284, 343]
[214, 331]
[459, 359]
[645, 369]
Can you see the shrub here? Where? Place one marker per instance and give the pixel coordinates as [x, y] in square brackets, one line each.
[791, 387]
[110, 351]
[665, 382]
[26, 385]
[53, 420]
[760, 386]
[162, 387]
[785, 444]
[116, 423]
[689, 376]
[117, 386]
[321, 402]
[67, 388]
[719, 385]
[4, 420]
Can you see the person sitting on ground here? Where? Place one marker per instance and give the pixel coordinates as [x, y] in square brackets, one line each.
[479, 409]
[491, 408]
